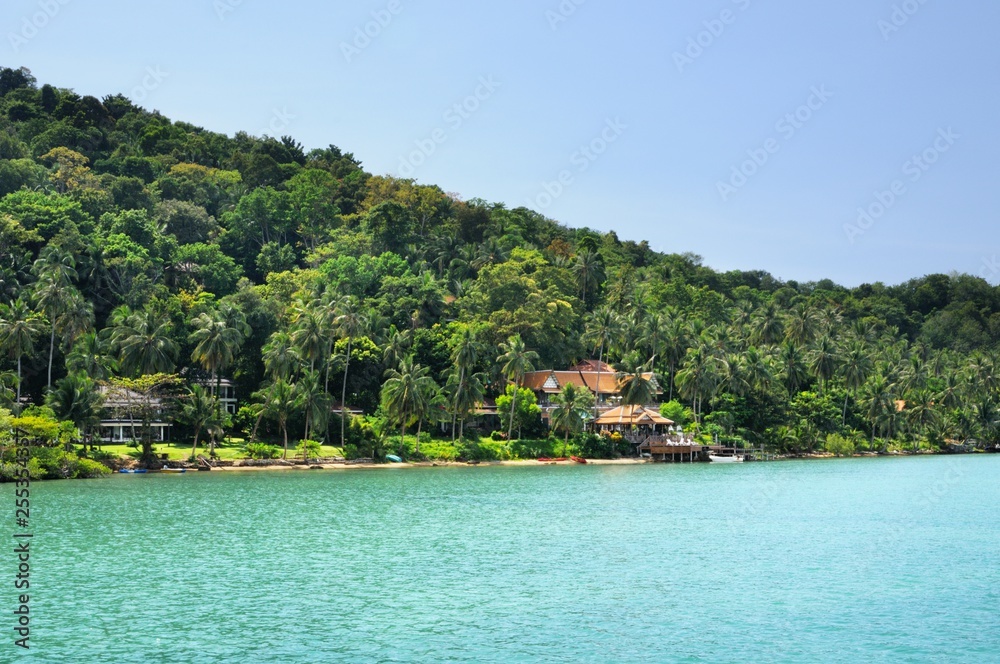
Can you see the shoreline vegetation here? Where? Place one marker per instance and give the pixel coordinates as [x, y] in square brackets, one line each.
[163, 282]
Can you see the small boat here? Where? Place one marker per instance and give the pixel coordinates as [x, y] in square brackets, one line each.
[725, 459]
[175, 471]
[578, 459]
[393, 458]
[139, 471]
[548, 460]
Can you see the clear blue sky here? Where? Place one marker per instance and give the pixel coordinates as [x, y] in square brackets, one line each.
[229, 65]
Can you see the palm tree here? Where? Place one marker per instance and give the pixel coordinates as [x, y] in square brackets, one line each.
[635, 384]
[216, 344]
[217, 337]
[77, 319]
[144, 343]
[198, 410]
[602, 327]
[281, 357]
[856, 367]
[89, 356]
[405, 392]
[589, 272]
[572, 408]
[674, 345]
[464, 357]
[312, 399]
[465, 397]
[824, 360]
[51, 296]
[795, 372]
[803, 324]
[19, 326]
[310, 335]
[349, 323]
[76, 399]
[279, 403]
[921, 413]
[517, 361]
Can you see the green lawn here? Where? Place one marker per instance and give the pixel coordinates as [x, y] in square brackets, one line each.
[181, 451]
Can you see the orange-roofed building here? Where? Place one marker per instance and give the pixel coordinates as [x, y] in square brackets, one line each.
[598, 378]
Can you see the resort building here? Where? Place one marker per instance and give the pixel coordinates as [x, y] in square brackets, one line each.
[599, 378]
[121, 417]
[638, 420]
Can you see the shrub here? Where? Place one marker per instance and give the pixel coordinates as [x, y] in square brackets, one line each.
[309, 448]
[838, 445]
[262, 451]
[88, 469]
[533, 449]
[9, 470]
[487, 450]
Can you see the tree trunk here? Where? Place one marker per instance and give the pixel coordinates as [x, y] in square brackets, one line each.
[513, 408]
[597, 388]
[565, 442]
[844, 421]
[343, 393]
[17, 406]
[194, 447]
[284, 430]
[52, 348]
[420, 424]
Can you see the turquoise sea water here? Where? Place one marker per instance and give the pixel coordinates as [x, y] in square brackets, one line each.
[894, 560]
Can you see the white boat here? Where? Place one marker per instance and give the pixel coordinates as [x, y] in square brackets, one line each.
[725, 459]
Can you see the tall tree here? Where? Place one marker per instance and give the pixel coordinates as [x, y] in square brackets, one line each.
[464, 356]
[572, 407]
[405, 393]
[19, 326]
[601, 328]
[145, 343]
[198, 410]
[517, 361]
[217, 336]
[349, 323]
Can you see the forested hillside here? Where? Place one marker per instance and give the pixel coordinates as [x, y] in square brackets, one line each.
[131, 245]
